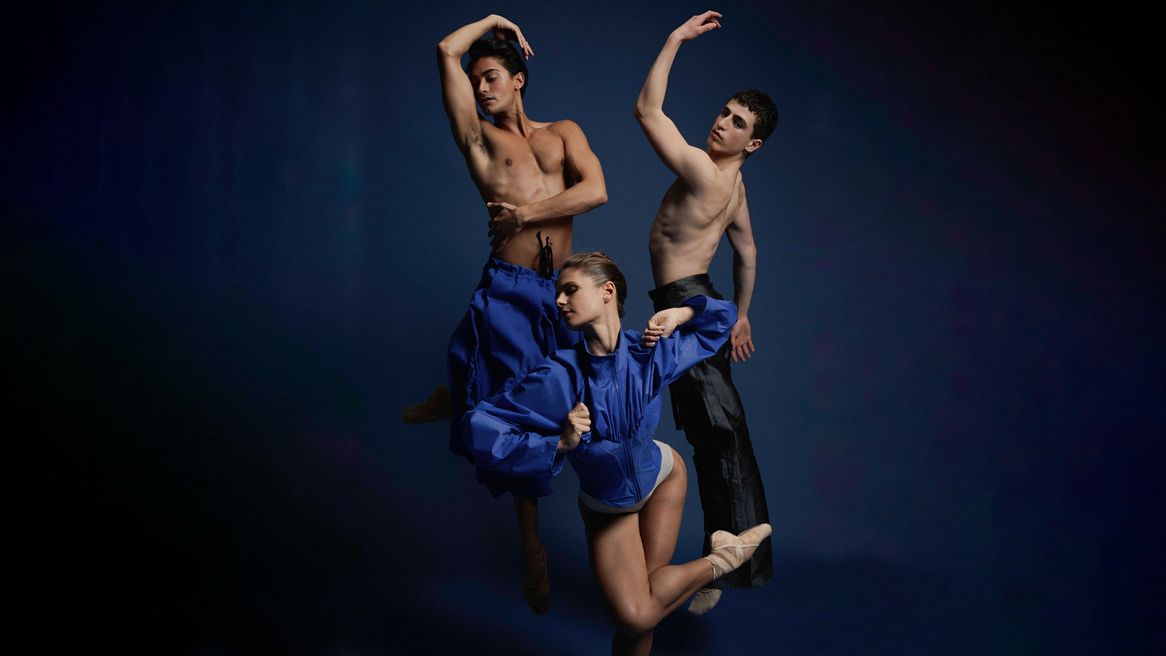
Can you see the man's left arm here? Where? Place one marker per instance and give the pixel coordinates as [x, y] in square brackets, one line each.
[585, 192]
[740, 233]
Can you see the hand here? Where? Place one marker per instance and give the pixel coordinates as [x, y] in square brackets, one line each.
[578, 422]
[742, 340]
[504, 223]
[505, 29]
[698, 25]
[664, 322]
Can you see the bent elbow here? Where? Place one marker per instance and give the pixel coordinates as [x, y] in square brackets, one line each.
[443, 49]
[600, 196]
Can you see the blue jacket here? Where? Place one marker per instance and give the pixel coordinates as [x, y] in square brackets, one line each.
[517, 431]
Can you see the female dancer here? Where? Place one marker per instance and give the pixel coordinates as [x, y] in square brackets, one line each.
[598, 405]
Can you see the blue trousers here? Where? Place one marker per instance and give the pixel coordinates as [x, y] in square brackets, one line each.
[512, 325]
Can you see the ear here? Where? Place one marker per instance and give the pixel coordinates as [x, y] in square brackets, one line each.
[608, 291]
[752, 146]
[519, 81]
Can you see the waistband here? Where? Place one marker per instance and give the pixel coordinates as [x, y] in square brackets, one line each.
[677, 292]
[495, 267]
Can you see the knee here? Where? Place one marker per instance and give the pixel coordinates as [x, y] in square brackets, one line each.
[636, 618]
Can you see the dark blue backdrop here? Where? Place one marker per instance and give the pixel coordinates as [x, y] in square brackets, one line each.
[238, 235]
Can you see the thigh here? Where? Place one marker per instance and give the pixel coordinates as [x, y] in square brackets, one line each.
[617, 559]
[661, 515]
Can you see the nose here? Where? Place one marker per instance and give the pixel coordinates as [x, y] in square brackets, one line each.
[561, 300]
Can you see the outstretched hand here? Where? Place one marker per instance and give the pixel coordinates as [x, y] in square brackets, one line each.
[741, 339]
[504, 223]
[664, 322]
[698, 25]
[578, 422]
[506, 29]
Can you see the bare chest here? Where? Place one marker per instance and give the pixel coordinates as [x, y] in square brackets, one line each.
[541, 155]
[685, 214]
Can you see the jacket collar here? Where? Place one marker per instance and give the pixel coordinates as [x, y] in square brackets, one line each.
[601, 369]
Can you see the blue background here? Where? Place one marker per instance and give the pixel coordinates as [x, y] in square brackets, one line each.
[238, 236]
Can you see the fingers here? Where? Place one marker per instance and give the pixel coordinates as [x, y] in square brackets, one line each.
[523, 43]
[742, 350]
[580, 418]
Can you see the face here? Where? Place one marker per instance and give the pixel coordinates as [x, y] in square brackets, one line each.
[581, 301]
[494, 87]
[733, 130]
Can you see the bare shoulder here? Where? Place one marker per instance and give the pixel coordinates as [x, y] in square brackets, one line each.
[565, 128]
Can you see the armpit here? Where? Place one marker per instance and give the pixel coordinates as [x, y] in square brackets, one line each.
[474, 137]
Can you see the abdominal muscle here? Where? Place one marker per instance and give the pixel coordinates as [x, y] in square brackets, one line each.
[523, 247]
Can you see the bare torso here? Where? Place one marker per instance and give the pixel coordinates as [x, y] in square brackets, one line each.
[521, 171]
[688, 226]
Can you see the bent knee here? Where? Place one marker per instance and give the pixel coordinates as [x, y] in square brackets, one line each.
[635, 619]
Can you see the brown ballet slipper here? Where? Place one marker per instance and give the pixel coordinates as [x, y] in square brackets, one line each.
[536, 583]
[728, 551]
[434, 408]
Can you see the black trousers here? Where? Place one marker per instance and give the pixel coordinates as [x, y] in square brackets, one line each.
[706, 405]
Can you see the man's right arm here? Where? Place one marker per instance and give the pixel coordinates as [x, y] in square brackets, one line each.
[689, 163]
[456, 91]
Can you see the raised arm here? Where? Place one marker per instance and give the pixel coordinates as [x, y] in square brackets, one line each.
[456, 91]
[689, 163]
[740, 233]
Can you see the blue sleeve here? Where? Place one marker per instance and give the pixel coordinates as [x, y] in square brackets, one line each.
[517, 431]
[693, 341]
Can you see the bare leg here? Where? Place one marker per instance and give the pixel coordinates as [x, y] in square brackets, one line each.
[630, 555]
[536, 583]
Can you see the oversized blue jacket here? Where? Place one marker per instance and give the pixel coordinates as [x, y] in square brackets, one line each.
[517, 431]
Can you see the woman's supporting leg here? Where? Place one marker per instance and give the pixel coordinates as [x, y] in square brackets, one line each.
[629, 557]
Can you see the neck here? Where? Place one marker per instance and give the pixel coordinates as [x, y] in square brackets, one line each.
[514, 120]
[603, 335]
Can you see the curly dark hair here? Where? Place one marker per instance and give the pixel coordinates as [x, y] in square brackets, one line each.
[504, 51]
[762, 107]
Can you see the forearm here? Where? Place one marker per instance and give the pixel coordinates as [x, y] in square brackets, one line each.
[458, 42]
[582, 197]
[744, 275]
[651, 97]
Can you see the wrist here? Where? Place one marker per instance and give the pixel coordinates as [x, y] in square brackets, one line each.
[520, 216]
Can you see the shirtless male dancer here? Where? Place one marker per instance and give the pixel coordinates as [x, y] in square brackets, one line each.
[706, 201]
[534, 177]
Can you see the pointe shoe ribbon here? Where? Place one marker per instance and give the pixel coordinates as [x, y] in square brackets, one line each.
[731, 551]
